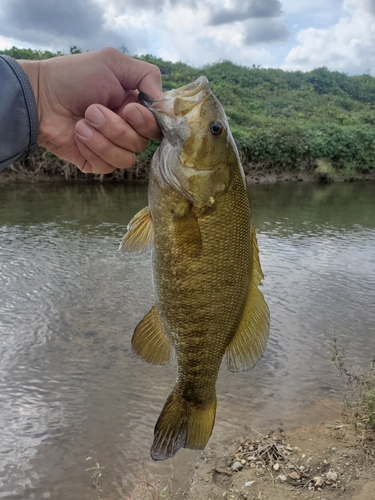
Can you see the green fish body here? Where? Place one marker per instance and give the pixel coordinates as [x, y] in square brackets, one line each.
[206, 268]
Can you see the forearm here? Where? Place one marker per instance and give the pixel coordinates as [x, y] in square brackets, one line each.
[19, 124]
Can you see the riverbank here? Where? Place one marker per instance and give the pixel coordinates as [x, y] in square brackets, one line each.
[254, 175]
[330, 461]
[333, 459]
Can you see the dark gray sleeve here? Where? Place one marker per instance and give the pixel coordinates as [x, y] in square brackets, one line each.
[19, 124]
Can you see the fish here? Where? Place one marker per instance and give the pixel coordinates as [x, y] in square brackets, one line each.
[205, 263]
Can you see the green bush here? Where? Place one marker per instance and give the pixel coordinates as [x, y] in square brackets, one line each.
[280, 119]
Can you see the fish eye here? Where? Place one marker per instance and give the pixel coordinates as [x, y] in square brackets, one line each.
[217, 128]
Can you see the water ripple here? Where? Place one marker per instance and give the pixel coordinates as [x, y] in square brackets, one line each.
[70, 302]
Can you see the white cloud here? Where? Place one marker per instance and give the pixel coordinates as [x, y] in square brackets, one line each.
[7, 43]
[183, 34]
[348, 45]
[339, 34]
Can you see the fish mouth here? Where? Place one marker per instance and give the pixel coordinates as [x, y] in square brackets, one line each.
[175, 108]
[191, 91]
[146, 100]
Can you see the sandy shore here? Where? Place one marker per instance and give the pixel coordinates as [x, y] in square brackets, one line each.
[330, 461]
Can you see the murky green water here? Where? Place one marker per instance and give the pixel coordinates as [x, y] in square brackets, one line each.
[69, 303]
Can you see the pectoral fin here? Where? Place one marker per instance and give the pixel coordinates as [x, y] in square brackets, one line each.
[250, 340]
[150, 340]
[140, 233]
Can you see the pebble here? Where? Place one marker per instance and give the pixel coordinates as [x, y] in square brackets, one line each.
[294, 475]
[319, 481]
[331, 476]
[276, 467]
[249, 483]
[282, 478]
[237, 466]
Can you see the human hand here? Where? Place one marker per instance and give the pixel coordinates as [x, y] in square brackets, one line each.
[88, 107]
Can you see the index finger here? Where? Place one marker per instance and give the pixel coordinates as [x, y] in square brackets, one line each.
[138, 75]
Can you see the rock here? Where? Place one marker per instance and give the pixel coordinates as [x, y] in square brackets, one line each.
[249, 483]
[294, 475]
[282, 478]
[276, 467]
[331, 476]
[318, 481]
[237, 466]
[288, 448]
[243, 461]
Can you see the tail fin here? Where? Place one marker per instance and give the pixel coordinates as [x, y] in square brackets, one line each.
[182, 425]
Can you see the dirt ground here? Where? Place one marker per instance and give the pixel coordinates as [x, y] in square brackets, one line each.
[323, 462]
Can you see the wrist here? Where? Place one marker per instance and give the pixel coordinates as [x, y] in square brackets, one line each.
[31, 68]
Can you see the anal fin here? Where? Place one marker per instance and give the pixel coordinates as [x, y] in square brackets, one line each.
[250, 340]
[150, 340]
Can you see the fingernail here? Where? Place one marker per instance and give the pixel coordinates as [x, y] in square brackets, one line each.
[84, 130]
[86, 169]
[94, 115]
[133, 115]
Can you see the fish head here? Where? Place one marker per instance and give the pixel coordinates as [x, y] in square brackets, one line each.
[198, 153]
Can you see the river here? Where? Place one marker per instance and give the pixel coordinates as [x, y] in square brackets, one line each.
[70, 301]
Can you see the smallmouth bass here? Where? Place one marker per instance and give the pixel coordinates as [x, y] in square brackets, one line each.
[205, 262]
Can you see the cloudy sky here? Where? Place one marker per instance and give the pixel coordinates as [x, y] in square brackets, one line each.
[289, 34]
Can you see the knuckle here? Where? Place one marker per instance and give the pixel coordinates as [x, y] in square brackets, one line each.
[155, 71]
[101, 145]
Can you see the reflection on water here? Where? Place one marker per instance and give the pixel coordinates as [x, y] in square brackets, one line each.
[69, 303]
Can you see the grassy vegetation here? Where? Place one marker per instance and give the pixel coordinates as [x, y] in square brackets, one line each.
[361, 407]
[281, 120]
